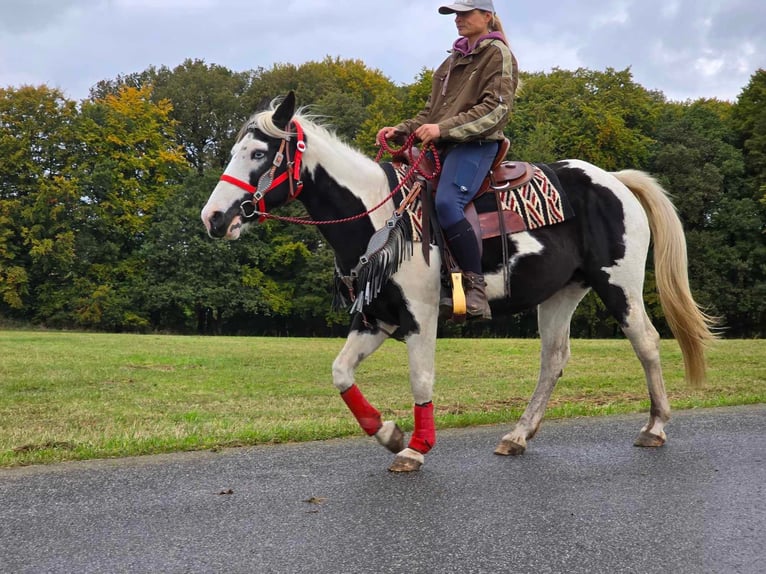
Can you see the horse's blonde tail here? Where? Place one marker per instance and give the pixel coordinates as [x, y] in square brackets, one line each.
[692, 328]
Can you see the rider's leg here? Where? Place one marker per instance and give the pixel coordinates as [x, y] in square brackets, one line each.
[463, 171]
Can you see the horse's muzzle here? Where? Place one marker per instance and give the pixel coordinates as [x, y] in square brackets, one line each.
[219, 226]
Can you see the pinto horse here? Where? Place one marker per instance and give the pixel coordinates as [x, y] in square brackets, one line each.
[282, 155]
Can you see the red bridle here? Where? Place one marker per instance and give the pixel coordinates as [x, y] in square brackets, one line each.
[267, 182]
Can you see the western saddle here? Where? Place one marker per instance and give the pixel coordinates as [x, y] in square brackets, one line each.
[502, 175]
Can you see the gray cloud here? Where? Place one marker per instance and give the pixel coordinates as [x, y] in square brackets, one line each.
[687, 49]
[23, 16]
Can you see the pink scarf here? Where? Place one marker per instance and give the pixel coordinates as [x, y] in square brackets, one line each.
[461, 44]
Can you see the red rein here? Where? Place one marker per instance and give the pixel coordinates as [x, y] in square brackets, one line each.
[293, 175]
[406, 151]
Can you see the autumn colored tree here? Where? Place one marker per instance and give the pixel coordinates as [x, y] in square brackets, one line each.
[38, 197]
[99, 202]
[208, 106]
[128, 166]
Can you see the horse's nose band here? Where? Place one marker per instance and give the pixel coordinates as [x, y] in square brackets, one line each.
[267, 182]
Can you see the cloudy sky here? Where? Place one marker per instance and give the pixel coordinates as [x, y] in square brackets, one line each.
[685, 48]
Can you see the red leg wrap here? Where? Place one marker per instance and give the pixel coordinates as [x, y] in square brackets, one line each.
[367, 415]
[424, 436]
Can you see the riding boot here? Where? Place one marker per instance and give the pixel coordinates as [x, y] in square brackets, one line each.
[476, 303]
[465, 248]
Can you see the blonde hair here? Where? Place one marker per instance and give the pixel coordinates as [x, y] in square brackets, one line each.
[495, 25]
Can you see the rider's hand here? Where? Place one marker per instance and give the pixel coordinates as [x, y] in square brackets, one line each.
[427, 133]
[385, 133]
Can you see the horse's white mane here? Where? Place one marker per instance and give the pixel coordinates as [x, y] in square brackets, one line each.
[263, 121]
[346, 164]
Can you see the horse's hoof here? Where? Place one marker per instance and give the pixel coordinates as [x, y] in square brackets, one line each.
[391, 437]
[508, 447]
[405, 464]
[408, 461]
[647, 439]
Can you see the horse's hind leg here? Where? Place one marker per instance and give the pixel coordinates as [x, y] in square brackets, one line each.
[553, 317]
[646, 343]
[360, 345]
[623, 297]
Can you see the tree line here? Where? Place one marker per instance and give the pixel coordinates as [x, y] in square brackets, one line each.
[100, 199]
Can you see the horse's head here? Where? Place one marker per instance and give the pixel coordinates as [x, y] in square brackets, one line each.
[264, 172]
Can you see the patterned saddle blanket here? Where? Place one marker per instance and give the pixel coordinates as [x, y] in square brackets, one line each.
[535, 204]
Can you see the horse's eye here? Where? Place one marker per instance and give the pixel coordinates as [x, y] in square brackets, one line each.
[258, 154]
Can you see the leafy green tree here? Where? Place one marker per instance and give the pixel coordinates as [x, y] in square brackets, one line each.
[698, 162]
[344, 94]
[696, 158]
[297, 279]
[208, 109]
[208, 106]
[393, 106]
[38, 147]
[750, 122]
[601, 117]
[747, 226]
[99, 205]
[275, 280]
[193, 283]
[129, 166]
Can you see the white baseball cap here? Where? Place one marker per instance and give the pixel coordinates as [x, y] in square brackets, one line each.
[467, 6]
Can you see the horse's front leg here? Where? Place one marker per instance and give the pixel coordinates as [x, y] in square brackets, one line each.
[360, 345]
[421, 350]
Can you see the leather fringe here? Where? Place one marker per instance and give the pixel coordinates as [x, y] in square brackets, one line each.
[387, 250]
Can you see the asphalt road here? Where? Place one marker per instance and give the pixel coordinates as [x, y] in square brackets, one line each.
[582, 499]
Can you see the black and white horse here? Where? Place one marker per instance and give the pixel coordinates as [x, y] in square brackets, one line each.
[281, 155]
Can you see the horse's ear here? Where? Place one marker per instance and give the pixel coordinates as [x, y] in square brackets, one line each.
[284, 112]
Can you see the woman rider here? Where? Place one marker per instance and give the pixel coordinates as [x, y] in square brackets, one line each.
[469, 105]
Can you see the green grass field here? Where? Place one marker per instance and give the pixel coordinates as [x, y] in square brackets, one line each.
[67, 396]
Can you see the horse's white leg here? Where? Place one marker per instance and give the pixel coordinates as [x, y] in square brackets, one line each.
[553, 318]
[646, 343]
[421, 350]
[628, 308]
[360, 345]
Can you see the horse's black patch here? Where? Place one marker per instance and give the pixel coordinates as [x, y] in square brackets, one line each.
[330, 201]
[574, 251]
[390, 307]
[601, 222]
[600, 213]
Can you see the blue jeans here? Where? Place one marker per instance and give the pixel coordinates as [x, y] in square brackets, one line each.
[463, 169]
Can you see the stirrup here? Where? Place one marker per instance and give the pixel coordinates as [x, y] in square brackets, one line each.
[458, 294]
[452, 307]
